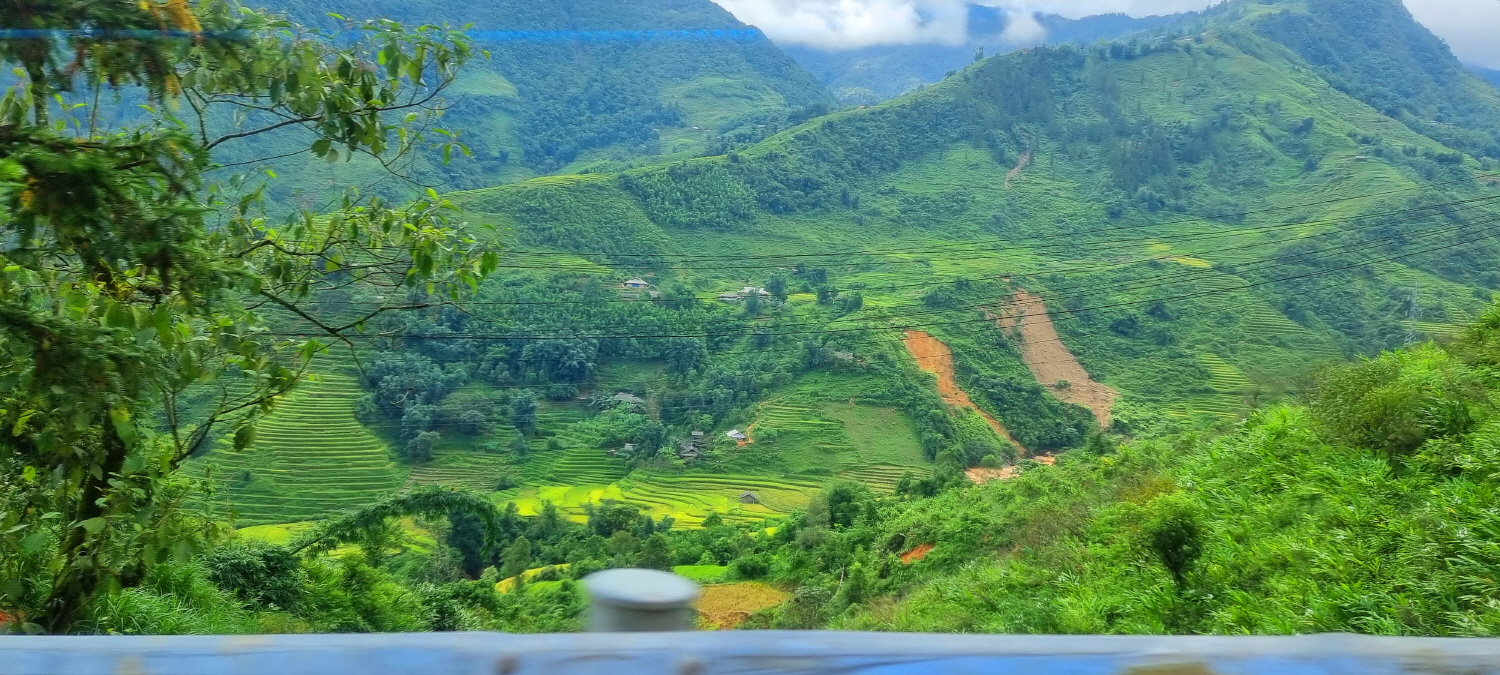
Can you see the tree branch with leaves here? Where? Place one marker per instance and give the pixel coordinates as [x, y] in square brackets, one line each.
[151, 303]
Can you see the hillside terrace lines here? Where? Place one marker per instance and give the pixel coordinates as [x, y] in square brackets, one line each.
[310, 459]
[934, 357]
[1050, 361]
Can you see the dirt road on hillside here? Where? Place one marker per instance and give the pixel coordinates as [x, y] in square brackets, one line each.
[934, 357]
[1024, 318]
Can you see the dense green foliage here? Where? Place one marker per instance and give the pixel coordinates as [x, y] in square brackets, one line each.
[129, 327]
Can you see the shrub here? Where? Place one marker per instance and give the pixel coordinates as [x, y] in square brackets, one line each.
[262, 575]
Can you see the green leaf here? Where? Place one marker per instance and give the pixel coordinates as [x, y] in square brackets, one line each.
[121, 418]
[320, 147]
[93, 525]
[34, 542]
[117, 315]
[244, 436]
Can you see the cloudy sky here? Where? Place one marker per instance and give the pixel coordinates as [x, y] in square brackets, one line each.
[1471, 27]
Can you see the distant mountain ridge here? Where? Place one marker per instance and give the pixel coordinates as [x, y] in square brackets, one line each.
[881, 72]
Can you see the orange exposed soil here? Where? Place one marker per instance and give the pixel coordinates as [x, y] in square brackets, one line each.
[1049, 359]
[725, 606]
[934, 357]
[916, 554]
[982, 475]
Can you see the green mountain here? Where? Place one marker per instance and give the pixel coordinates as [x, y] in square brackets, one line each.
[1150, 236]
[574, 85]
[877, 73]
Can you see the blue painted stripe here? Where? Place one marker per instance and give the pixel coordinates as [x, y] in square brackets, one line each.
[482, 36]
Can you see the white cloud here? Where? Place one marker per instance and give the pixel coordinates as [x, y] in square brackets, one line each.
[1022, 28]
[844, 24]
[1469, 26]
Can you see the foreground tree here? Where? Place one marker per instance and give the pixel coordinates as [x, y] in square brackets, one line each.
[149, 306]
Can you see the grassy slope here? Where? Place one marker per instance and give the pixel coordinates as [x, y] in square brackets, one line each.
[1300, 525]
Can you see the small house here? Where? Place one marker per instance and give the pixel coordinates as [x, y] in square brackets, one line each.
[844, 356]
[636, 284]
[730, 296]
[748, 497]
[697, 436]
[752, 290]
[628, 449]
[736, 434]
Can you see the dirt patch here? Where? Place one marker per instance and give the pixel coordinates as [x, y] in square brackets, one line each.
[1025, 319]
[1021, 163]
[934, 357]
[724, 606]
[982, 475]
[916, 554]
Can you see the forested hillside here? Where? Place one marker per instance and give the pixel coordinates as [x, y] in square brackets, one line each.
[877, 73]
[586, 84]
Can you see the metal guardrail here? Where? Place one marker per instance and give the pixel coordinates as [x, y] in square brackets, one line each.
[646, 600]
[744, 653]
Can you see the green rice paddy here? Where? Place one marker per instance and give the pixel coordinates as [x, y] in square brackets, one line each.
[310, 459]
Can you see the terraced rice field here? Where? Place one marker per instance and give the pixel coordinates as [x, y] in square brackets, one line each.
[1436, 330]
[883, 477]
[870, 444]
[687, 498]
[310, 459]
[1225, 378]
[580, 465]
[1260, 320]
[457, 468]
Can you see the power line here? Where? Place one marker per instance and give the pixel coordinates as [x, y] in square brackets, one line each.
[1241, 214]
[907, 326]
[1165, 256]
[1143, 283]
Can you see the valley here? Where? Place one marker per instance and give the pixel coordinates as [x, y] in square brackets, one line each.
[1153, 287]
[1178, 325]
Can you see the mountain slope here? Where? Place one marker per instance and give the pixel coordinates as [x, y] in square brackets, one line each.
[1204, 217]
[877, 73]
[1376, 52]
[578, 82]
[1141, 136]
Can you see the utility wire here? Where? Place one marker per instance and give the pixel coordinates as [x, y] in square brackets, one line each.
[895, 327]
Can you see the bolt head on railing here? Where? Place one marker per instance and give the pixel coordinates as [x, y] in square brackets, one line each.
[631, 600]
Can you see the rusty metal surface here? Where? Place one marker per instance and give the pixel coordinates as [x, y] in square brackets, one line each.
[745, 653]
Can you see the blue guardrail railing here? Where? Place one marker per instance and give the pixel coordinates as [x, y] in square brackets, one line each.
[744, 653]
